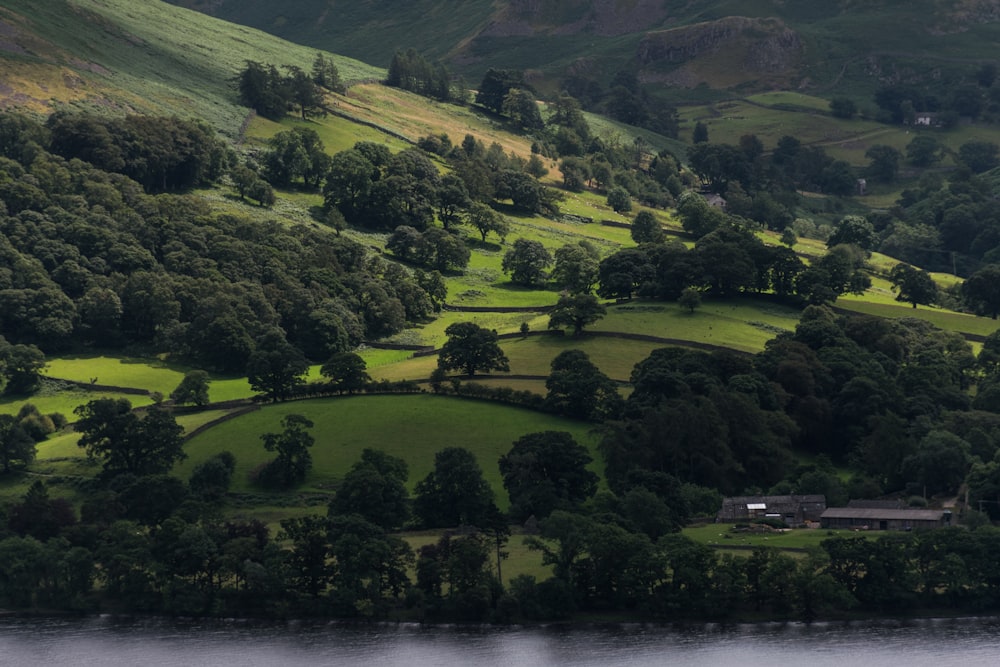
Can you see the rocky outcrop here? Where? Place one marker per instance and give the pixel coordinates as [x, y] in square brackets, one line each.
[766, 45]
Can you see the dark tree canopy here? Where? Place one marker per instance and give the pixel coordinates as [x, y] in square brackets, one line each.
[192, 389]
[495, 86]
[127, 443]
[915, 286]
[276, 368]
[526, 262]
[16, 446]
[346, 371]
[375, 488]
[982, 290]
[454, 493]
[293, 460]
[471, 348]
[546, 471]
[577, 311]
[577, 388]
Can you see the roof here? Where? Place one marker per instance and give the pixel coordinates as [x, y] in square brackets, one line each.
[876, 504]
[882, 514]
[772, 500]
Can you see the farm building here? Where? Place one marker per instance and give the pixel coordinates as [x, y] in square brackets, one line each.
[867, 518]
[793, 510]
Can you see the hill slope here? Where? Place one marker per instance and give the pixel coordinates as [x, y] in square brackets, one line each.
[726, 44]
[135, 56]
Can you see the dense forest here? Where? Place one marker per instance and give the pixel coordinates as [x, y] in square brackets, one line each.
[95, 250]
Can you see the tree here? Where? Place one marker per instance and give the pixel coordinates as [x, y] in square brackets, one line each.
[454, 493]
[923, 151]
[979, 156]
[452, 197]
[526, 262]
[349, 183]
[276, 368]
[619, 200]
[21, 367]
[16, 446]
[308, 561]
[520, 106]
[346, 372]
[210, 479]
[982, 290]
[577, 388]
[495, 85]
[304, 91]
[192, 389]
[292, 445]
[471, 348]
[913, 285]
[884, 163]
[646, 228]
[854, 230]
[576, 310]
[576, 266]
[375, 488]
[325, 74]
[843, 107]
[110, 431]
[261, 87]
[486, 220]
[700, 134]
[293, 154]
[690, 299]
[546, 471]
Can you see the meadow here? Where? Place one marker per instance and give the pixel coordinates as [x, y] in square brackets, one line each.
[412, 427]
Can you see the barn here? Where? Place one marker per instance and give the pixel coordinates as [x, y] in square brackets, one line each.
[867, 518]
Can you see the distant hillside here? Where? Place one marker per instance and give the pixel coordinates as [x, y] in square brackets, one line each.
[845, 46]
[135, 56]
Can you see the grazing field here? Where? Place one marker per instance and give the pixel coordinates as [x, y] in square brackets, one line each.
[735, 323]
[413, 427]
[943, 319]
[54, 398]
[140, 373]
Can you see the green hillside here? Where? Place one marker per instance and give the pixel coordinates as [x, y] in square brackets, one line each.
[726, 44]
[145, 57]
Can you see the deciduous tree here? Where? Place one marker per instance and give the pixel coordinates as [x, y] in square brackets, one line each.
[546, 471]
[471, 348]
[126, 443]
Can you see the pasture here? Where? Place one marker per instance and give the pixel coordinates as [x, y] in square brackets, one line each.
[412, 427]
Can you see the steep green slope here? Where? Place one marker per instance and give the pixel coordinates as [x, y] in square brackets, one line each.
[843, 46]
[135, 56]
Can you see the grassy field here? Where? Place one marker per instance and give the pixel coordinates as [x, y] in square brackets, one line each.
[411, 427]
[144, 373]
[739, 324]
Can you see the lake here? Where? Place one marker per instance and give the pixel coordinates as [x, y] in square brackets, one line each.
[111, 642]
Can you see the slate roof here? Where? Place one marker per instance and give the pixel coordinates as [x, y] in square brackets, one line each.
[882, 514]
